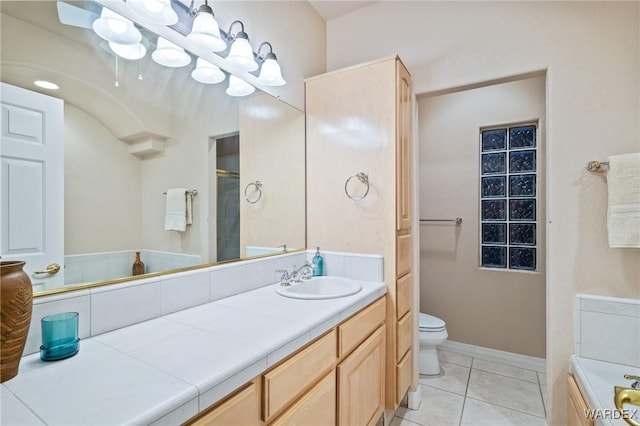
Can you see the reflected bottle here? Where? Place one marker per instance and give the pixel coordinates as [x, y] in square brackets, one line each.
[138, 266]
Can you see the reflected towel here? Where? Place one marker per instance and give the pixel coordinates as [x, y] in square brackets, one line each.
[623, 213]
[176, 210]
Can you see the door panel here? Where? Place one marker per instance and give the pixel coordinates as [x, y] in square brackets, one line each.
[32, 183]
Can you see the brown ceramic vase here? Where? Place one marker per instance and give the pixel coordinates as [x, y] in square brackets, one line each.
[16, 296]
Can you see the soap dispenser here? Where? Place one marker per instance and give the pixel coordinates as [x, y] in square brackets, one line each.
[317, 261]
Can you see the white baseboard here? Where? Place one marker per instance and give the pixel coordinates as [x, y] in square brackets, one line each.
[414, 399]
[488, 354]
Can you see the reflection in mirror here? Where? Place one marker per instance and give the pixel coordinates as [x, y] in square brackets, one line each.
[134, 130]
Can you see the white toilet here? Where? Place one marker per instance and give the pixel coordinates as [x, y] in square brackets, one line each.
[433, 331]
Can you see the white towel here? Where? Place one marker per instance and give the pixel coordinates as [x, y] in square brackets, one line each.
[178, 210]
[623, 213]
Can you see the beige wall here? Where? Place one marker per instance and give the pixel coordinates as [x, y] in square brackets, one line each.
[199, 113]
[496, 309]
[102, 186]
[592, 56]
[272, 150]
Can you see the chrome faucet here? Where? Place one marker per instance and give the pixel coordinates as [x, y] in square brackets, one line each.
[636, 380]
[285, 278]
[306, 269]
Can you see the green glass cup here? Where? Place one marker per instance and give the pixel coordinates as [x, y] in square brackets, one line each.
[59, 336]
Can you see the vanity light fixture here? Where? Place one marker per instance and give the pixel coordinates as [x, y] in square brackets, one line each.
[155, 11]
[270, 73]
[239, 87]
[170, 54]
[115, 28]
[205, 31]
[131, 52]
[240, 53]
[207, 73]
[46, 85]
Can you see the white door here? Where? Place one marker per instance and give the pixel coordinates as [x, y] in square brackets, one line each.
[32, 184]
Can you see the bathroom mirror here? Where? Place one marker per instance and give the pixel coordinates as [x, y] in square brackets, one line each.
[134, 130]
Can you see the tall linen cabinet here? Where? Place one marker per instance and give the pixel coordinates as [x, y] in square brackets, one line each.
[359, 121]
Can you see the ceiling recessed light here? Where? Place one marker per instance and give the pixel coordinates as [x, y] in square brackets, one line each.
[46, 84]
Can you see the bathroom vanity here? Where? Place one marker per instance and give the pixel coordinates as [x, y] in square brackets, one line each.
[256, 356]
[336, 379]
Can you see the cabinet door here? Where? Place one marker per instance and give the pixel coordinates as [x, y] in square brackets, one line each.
[316, 408]
[577, 406]
[361, 383]
[403, 148]
[239, 410]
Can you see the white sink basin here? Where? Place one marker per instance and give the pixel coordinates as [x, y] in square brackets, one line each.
[320, 288]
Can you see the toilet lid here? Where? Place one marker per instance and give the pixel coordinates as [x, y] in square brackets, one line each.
[429, 322]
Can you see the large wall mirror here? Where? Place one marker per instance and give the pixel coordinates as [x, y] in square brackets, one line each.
[135, 130]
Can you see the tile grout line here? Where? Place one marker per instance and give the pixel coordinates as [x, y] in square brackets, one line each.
[501, 406]
[507, 408]
[544, 406]
[466, 391]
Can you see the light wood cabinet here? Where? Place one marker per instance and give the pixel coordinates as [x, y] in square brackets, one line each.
[359, 119]
[240, 409]
[361, 383]
[313, 386]
[291, 378]
[316, 408]
[577, 406]
[403, 295]
[403, 148]
[358, 328]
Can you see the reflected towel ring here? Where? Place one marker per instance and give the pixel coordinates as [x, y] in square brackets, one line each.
[362, 177]
[258, 189]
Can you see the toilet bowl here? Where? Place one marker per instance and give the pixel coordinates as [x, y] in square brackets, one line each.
[432, 332]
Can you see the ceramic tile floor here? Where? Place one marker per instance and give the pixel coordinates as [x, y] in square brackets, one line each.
[475, 392]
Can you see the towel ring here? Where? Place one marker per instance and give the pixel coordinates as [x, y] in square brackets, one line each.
[362, 177]
[258, 188]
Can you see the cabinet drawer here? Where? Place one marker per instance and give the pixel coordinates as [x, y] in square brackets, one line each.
[403, 295]
[403, 376]
[290, 379]
[239, 410]
[404, 337]
[316, 408]
[358, 328]
[403, 255]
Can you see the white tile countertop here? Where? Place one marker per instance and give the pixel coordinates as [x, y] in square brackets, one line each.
[597, 380]
[166, 370]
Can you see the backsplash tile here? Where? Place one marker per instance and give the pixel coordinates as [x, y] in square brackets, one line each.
[227, 280]
[365, 267]
[607, 329]
[184, 291]
[111, 307]
[48, 305]
[130, 303]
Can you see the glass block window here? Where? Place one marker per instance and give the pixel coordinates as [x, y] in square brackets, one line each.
[508, 197]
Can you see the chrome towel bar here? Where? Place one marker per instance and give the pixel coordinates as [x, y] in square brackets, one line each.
[193, 192]
[457, 220]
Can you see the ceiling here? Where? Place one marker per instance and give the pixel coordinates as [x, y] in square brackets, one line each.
[330, 9]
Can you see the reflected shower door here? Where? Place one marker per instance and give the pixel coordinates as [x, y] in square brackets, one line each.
[228, 213]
